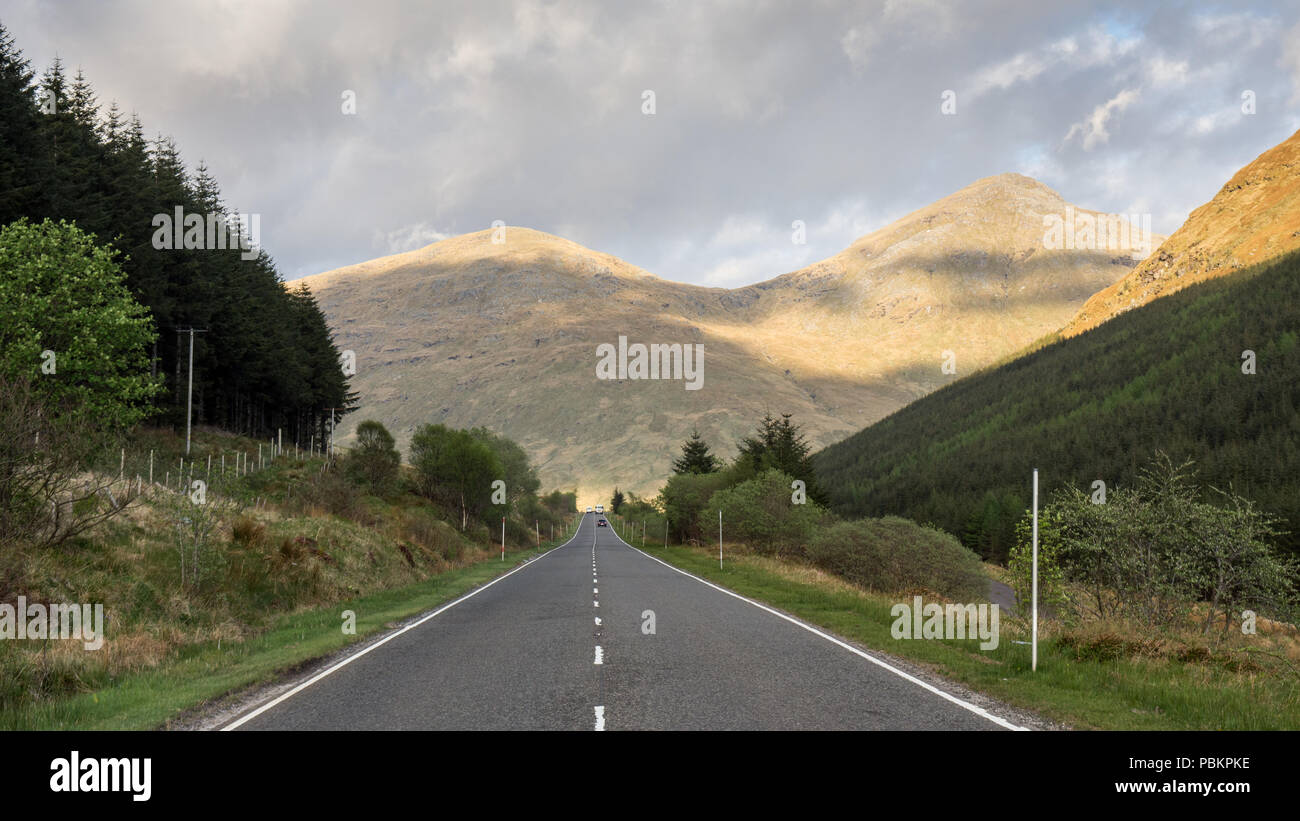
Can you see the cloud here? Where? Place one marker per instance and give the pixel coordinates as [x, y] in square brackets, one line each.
[1163, 73]
[529, 111]
[857, 44]
[1094, 128]
[408, 238]
[1094, 47]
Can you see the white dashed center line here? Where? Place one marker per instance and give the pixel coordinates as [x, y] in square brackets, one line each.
[600, 653]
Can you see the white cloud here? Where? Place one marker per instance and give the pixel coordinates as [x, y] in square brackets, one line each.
[529, 111]
[857, 44]
[408, 238]
[1098, 48]
[1094, 129]
[1209, 123]
[1162, 73]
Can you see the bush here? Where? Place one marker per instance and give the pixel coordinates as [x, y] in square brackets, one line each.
[685, 497]
[518, 533]
[1053, 594]
[247, 532]
[374, 461]
[761, 514]
[332, 493]
[1152, 552]
[423, 528]
[894, 555]
[455, 469]
[69, 322]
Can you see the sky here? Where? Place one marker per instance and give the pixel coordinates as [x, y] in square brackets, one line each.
[841, 115]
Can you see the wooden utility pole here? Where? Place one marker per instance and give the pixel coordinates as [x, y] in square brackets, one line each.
[189, 392]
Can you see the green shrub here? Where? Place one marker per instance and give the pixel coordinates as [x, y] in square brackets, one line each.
[334, 494]
[374, 461]
[685, 497]
[761, 514]
[456, 469]
[1053, 595]
[1152, 551]
[895, 555]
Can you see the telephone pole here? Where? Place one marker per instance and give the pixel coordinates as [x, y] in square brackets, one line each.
[330, 452]
[189, 391]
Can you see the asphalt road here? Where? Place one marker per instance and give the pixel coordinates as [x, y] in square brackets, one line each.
[565, 643]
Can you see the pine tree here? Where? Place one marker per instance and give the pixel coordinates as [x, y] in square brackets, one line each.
[21, 148]
[779, 445]
[268, 360]
[695, 457]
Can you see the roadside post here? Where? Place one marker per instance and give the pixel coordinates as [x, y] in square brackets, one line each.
[1033, 652]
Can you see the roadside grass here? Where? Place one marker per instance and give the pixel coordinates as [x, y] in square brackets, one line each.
[1071, 686]
[287, 549]
[196, 674]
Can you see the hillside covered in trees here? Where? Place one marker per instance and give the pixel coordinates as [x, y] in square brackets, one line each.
[266, 359]
[1211, 373]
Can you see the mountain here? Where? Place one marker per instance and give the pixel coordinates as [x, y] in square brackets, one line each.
[470, 332]
[1255, 217]
[1099, 406]
[1162, 374]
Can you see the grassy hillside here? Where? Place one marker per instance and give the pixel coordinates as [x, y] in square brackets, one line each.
[1097, 676]
[270, 561]
[505, 334]
[1167, 376]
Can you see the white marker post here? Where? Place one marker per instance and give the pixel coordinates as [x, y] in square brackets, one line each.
[503, 538]
[1033, 663]
[719, 539]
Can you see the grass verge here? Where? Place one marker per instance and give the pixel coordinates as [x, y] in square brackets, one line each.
[199, 673]
[1126, 693]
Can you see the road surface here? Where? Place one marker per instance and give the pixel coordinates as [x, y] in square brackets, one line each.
[567, 642]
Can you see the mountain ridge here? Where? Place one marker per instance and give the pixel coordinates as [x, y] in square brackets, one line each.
[1254, 217]
[468, 332]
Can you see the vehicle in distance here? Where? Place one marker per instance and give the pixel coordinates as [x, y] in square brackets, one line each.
[588, 508]
[600, 508]
[602, 523]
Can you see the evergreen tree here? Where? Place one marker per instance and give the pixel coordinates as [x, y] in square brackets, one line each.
[779, 445]
[268, 360]
[21, 146]
[695, 457]
[617, 501]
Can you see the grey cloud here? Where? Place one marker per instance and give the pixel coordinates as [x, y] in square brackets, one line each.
[767, 113]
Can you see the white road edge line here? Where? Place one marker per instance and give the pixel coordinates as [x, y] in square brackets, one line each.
[345, 662]
[600, 656]
[600, 719]
[977, 710]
